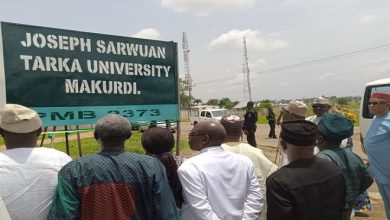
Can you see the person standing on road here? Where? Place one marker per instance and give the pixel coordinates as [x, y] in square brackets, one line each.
[295, 110]
[308, 187]
[377, 145]
[263, 166]
[270, 115]
[333, 128]
[217, 184]
[249, 127]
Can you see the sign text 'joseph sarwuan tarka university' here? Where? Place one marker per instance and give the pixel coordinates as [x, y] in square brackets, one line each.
[73, 77]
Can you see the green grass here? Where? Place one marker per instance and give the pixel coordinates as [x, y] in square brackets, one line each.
[90, 146]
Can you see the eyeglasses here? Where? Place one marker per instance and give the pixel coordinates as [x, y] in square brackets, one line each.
[375, 103]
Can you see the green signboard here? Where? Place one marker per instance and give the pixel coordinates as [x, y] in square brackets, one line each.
[73, 77]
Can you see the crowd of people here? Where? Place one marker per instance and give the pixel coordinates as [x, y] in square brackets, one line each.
[316, 178]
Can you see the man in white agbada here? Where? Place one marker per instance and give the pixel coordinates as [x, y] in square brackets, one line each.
[28, 174]
[218, 184]
[295, 110]
[263, 166]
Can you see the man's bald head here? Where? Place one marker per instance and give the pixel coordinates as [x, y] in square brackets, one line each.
[206, 134]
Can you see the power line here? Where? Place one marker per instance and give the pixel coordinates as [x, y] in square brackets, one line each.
[311, 62]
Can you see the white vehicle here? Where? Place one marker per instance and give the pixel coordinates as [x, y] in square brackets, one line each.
[382, 85]
[145, 125]
[209, 114]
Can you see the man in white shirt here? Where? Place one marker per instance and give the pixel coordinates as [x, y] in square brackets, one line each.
[3, 211]
[218, 184]
[28, 175]
[263, 166]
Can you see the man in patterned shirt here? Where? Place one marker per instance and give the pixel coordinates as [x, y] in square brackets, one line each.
[113, 184]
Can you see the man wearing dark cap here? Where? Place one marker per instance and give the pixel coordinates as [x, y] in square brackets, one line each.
[217, 184]
[28, 174]
[263, 166]
[333, 128]
[377, 145]
[250, 126]
[308, 187]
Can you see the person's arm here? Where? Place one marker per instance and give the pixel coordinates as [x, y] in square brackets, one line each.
[278, 120]
[196, 204]
[66, 201]
[256, 116]
[164, 204]
[280, 207]
[366, 179]
[254, 201]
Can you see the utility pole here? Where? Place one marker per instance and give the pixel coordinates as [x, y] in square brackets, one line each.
[246, 75]
[187, 76]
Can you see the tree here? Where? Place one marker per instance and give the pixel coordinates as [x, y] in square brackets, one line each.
[197, 101]
[343, 100]
[265, 104]
[226, 103]
[212, 102]
[185, 99]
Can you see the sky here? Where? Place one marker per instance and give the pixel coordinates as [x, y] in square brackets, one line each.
[296, 48]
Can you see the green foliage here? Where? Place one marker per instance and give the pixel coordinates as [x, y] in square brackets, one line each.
[90, 146]
[265, 104]
[198, 101]
[343, 100]
[226, 103]
[212, 102]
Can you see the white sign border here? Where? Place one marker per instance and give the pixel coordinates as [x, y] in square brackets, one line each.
[3, 99]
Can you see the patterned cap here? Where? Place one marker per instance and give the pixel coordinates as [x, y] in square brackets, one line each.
[232, 124]
[381, 95]
[335, 126]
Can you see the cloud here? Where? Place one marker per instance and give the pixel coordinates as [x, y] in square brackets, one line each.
[148, 33]
[327, 76]
[205, 7]
[368, 19]
[284, 83]
[254, 40]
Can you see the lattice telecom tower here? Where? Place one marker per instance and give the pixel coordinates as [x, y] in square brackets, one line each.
[246, 75]
[187, 76]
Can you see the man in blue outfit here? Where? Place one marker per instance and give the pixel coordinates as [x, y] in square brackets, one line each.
[377, 145]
